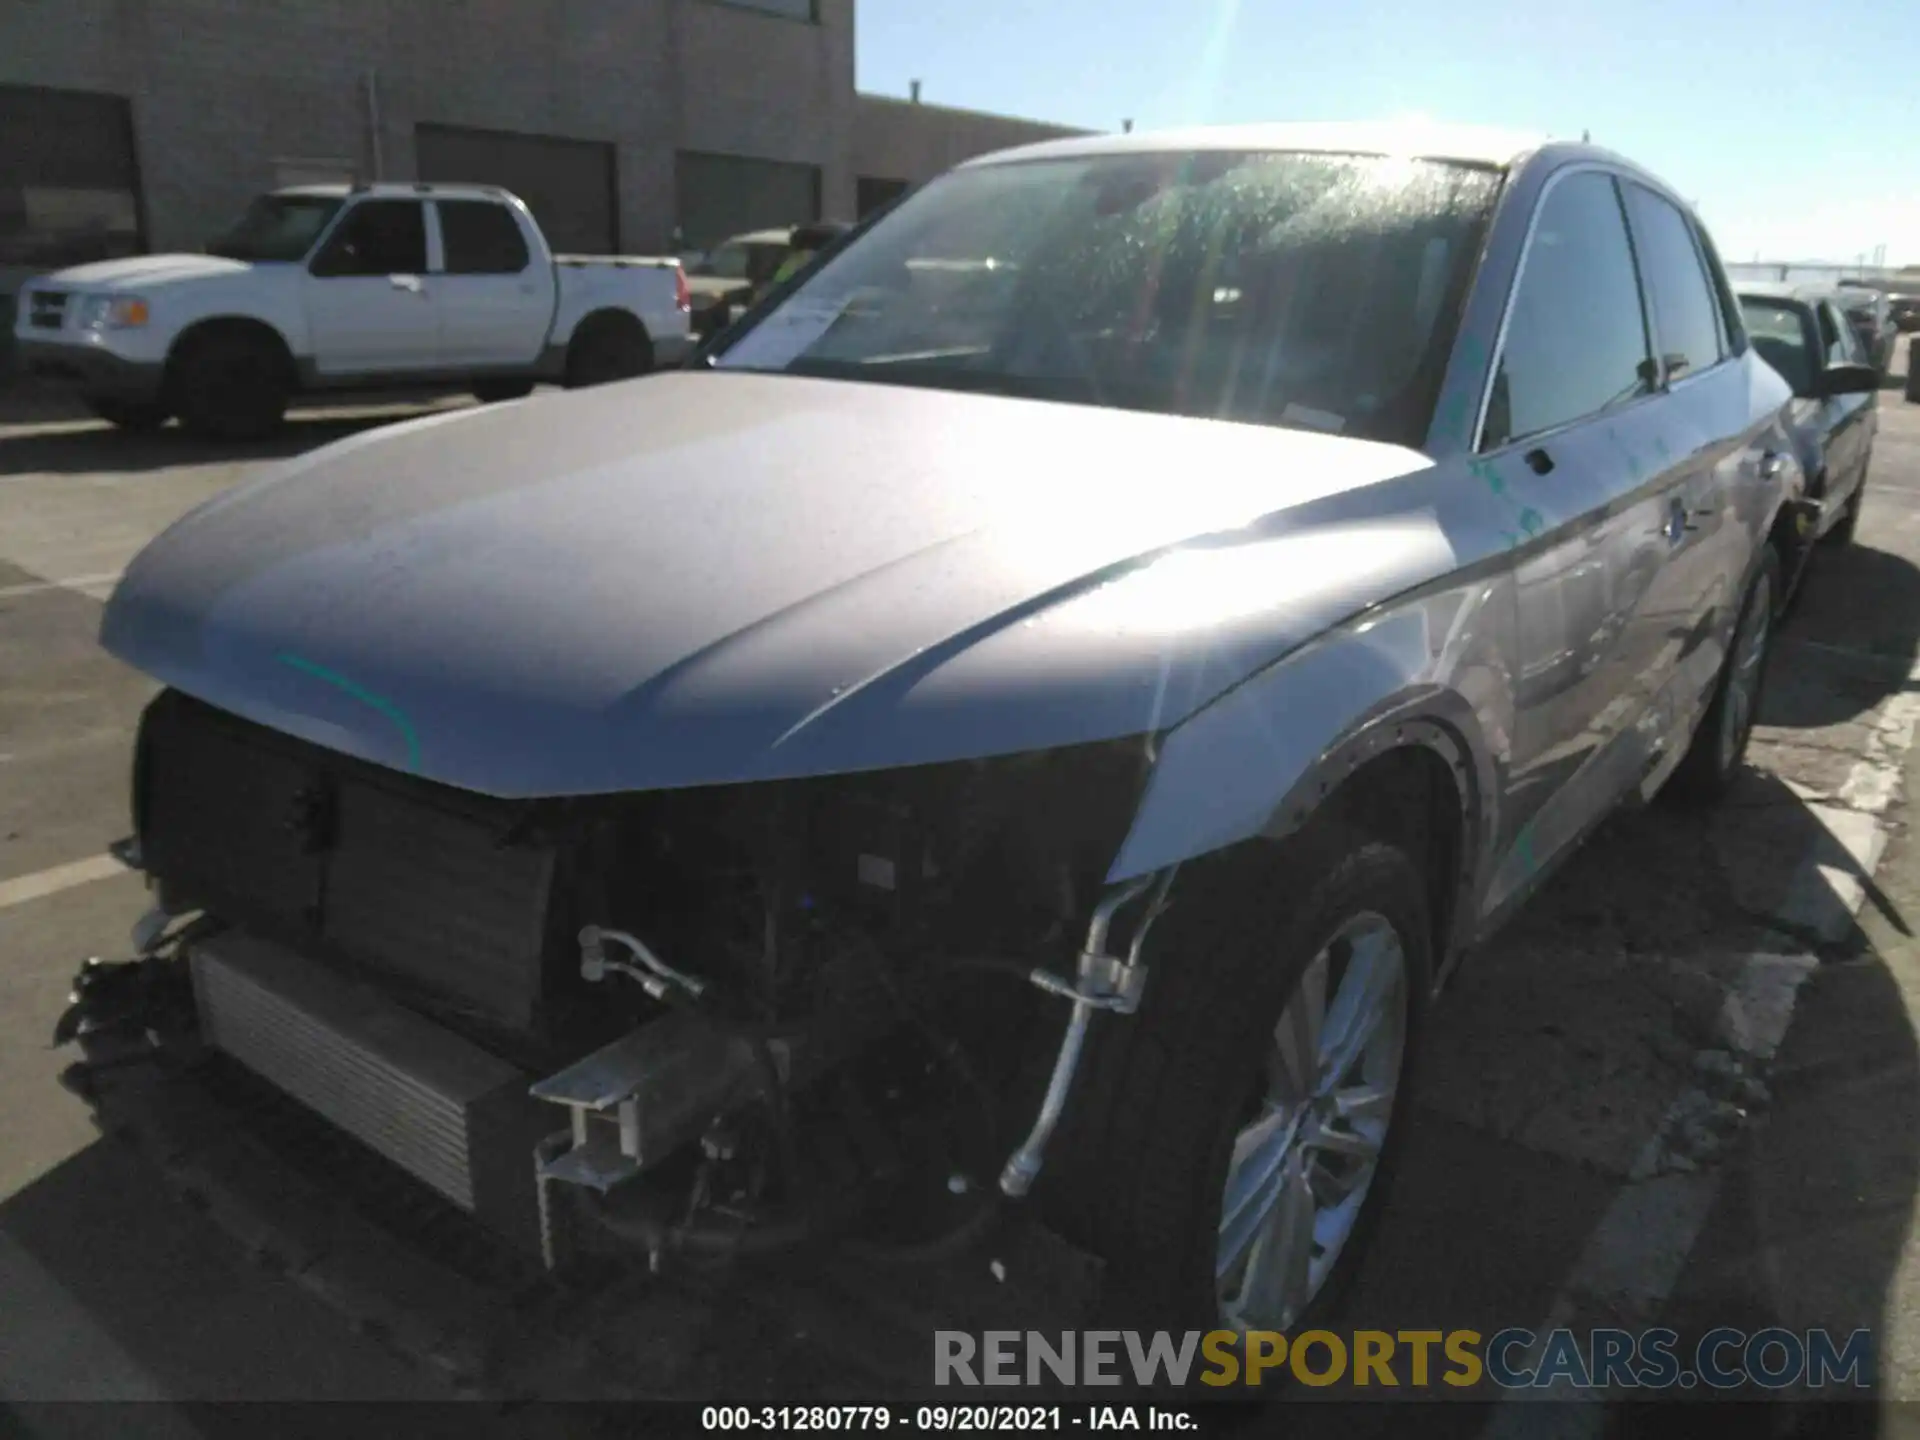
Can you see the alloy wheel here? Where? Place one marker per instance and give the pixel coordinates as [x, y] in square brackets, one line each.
[1304, 1162]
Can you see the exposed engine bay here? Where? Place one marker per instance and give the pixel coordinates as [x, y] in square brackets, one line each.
[694, 1022]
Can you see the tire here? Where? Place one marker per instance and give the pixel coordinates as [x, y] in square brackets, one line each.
[1841, 535]
[1719, 743]
[492, 392]
[231, 385]
[139, 417]
[608, 348]
[1145, 1149]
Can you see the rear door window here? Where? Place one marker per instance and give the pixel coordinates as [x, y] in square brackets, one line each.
[1686, 315]
[1779, 331]
[1576, 341]
[1842, 345]
[481, 238]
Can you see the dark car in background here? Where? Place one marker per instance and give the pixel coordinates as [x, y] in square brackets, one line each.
[1905, 310]
[1803, 332]
[1870, 314]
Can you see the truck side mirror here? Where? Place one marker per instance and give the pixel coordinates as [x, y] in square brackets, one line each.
[1847, 378]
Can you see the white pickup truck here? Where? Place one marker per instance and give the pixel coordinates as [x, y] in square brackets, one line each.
[323, 287]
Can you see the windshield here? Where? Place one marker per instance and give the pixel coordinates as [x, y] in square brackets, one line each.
[727, 262]
[1280, 288]
[277, 227]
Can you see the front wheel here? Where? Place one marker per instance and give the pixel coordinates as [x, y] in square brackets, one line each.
[136, 416]
[493, 392]
[231, 385]
[1232, 1142]
[1720, 743]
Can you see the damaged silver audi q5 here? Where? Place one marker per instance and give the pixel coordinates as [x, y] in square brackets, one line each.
[1028, 717]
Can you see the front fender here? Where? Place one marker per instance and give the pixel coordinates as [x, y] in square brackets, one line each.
[1429, 670]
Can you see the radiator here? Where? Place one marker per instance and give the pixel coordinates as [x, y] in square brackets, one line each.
[432, 1103]
[396, 876]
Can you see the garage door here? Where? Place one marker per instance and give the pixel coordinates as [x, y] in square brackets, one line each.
[721, 195]
[568, 184]
[69, 186]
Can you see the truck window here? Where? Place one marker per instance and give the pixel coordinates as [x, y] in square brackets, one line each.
[481, 238]
[378, 237]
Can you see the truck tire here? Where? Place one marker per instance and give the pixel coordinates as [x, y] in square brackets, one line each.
[1169, 1096]
[608, 347]
[139, 417]
[492, 392]
[230, 385]
[1719, 743]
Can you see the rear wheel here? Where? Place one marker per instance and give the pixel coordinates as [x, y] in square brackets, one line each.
[138, 416]
[1720, 743]
[230, 385]
[1230, 1145]
[1842, 533]
[608, 348]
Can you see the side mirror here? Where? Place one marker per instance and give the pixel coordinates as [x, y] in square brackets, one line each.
[1847, 378]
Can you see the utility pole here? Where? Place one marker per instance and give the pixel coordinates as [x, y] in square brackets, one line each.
[1126, 127]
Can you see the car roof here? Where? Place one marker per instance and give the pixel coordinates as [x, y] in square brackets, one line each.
[398, 190]
[1786, 290]
[780, 236]
[1474, 144]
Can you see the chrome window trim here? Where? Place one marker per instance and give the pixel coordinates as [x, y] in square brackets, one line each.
[1477, 447]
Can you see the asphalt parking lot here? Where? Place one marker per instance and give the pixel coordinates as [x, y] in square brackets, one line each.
[1683, 1086]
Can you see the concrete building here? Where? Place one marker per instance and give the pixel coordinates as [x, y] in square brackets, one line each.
[899, 143]
[131, 125]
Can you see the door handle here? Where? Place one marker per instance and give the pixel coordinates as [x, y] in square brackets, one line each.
[1676, 525]
[1771, 464]
[405, 282]
[1539, 461]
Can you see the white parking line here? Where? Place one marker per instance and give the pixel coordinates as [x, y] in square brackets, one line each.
[1635, 1254]
[43, 883]
[75, 582]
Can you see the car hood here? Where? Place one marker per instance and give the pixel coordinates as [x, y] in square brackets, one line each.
[147, 271]
[702, 577]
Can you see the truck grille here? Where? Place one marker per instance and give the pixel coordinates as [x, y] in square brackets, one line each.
[394, 877]
[47, 309]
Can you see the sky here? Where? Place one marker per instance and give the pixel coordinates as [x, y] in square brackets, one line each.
[1796, 132]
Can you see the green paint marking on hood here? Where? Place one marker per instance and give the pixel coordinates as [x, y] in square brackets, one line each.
[366, 697]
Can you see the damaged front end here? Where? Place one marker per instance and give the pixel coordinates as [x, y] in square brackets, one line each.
[695, 1023]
